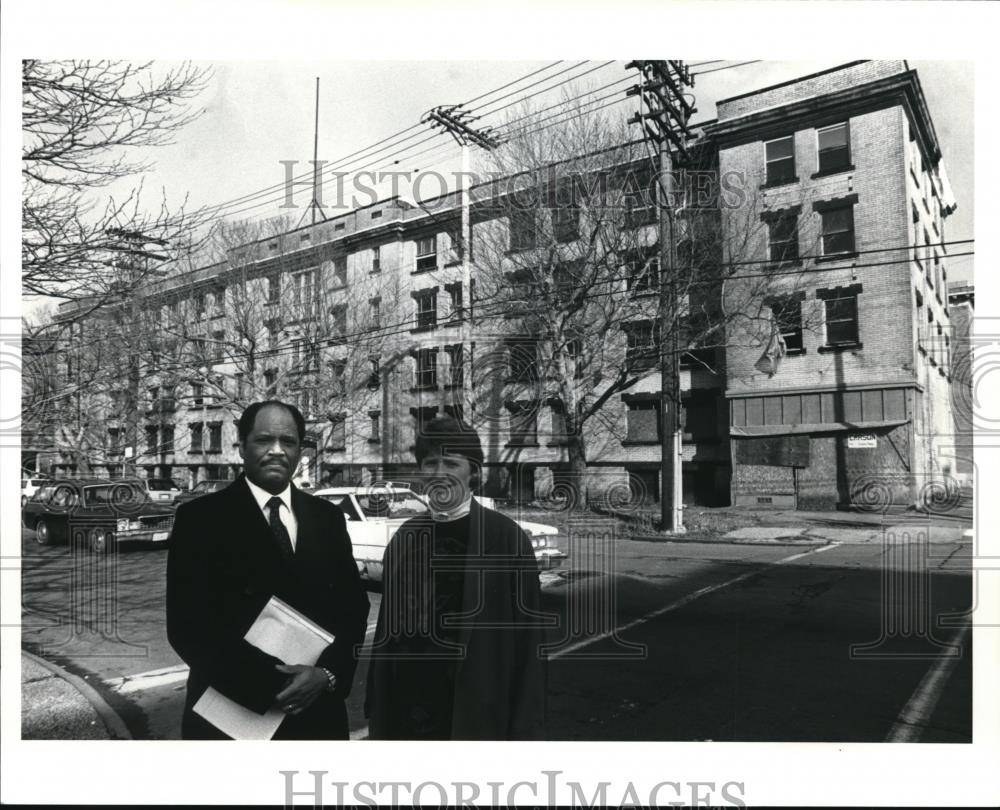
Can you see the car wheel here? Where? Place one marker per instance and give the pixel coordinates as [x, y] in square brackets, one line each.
[100, 541]
[43, 534]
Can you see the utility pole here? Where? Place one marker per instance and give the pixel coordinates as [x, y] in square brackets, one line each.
[454, 121]
[665, 124]
[131, 270]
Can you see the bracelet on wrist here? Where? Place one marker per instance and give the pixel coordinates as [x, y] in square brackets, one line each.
[330, 678]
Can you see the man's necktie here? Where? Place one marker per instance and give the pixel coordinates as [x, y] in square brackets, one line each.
[281, 536]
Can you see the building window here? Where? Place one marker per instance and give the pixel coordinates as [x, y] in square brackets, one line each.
[340, 270]
[218, 346]
[338, 377]
[456, 377]
[426, 253]
[374, 374]
[271, 383]
[787, 313]
[376, 418]
[523, 230]
[304, 293]
[199, 306]
[566, 223]
[522, 360]
[215, 437]
[377, 259]
[338, 433]
[642, 271]
[426, 308]
[641, 340]
[455, 294]
[838, 230]
[523, 424]
[779, 155]
[457, 250]
[643, 422]
[841, 315]
[305, 402]
[197, 394]
[426, 377]
[273, 290]
[783, 239]
[640, 201]
[915, 213]
[152, 437]
[338, 320]
[196, 437]
[834, 148]
[375, 307]
[167, 439]
[273, 329]
[927, 259]
[114, 440]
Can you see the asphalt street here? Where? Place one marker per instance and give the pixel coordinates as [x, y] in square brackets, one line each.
[648, 640]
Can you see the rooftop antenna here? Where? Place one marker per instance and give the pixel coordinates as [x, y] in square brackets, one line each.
[315, 205]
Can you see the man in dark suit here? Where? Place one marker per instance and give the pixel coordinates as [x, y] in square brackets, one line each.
[230, 552]
[458, 649]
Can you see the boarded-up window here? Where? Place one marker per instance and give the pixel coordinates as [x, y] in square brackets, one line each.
[644, 421]
[775, 451]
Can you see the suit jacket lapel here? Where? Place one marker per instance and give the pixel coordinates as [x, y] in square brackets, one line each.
[307, 541]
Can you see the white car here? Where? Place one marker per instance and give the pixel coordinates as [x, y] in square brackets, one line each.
[374, 514]
[29, 486]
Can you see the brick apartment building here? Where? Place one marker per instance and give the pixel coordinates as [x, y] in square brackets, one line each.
[364, 320]
[847, 166]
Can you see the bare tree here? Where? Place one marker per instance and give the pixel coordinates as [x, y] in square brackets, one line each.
[82, 123]
[569, 276]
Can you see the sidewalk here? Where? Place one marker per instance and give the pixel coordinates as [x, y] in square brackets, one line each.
[57, 705]
[794, 527]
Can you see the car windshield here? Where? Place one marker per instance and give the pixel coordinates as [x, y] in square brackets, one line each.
[392, 504]
[161, 484]
[346, 505]
[207, 486]
[114, 494]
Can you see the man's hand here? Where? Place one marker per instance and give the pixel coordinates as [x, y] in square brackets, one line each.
[304, 687]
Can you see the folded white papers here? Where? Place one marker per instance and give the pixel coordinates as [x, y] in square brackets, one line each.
[283, 632]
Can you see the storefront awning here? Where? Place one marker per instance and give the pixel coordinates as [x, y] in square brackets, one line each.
[825, 427]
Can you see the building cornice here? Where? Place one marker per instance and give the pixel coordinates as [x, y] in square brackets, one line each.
[901, 89]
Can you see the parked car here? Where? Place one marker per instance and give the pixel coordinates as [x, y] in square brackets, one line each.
[29, 486]
[201, 488]
[374, 514]
[96, 512]
[161, 490]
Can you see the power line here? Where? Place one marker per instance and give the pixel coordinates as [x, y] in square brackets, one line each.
[548, 89]
[726, 67]
[511, 83]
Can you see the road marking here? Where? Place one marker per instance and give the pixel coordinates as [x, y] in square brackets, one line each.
[148, 680]
[916, 714]
[687, 600]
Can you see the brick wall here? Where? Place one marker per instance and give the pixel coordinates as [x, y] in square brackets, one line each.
[828, 82]
[880, 218]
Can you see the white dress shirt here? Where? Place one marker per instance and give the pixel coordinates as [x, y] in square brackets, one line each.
[285, 513]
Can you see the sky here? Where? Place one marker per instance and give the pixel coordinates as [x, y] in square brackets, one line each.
[257, 114]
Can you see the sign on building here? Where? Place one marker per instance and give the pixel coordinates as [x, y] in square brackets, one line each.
[862, 441]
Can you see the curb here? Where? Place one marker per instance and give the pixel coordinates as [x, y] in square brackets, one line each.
[112, 721]
[787, 540]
